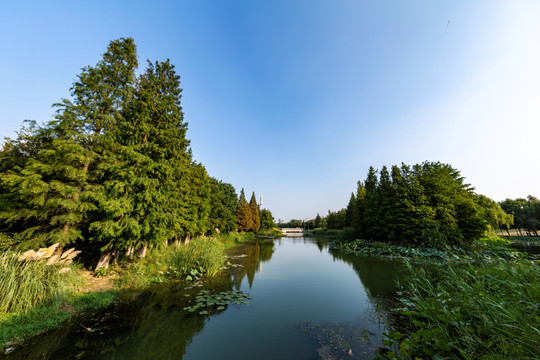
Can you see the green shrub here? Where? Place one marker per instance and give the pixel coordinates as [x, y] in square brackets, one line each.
[24, 284]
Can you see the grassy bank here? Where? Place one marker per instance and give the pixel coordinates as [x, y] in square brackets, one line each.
[470, 311]
[36, 297]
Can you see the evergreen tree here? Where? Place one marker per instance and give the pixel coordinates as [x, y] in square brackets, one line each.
[243, 214]
[267, 220]
[350, 210]
[358, 221]
[55, 185]
[387, 200]
[254, 209]
[371, 212]
[318, 221]
[223, 201]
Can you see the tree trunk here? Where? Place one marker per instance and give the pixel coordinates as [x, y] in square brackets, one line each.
[508, 232]
[129, 252]
[166, 242]
[104, 260]
[116, 256]
[142, 251]
[186, 241]
[177, 242]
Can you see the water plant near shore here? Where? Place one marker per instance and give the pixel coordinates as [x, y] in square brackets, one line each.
[484, 249]
[470, 311]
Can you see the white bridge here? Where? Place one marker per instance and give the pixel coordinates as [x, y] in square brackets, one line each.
[292, 231]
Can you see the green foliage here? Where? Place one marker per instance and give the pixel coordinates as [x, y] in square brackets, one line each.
[243, 214]
[254, 209]
[267, 220]
[482, 250]
[426, 204]
[481, 311]
[224, 201]
[208, 303]
[525, 213]
[204, 254]
[114, 166]
[25, 284]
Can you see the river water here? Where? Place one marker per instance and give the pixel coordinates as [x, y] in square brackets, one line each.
[307, 302]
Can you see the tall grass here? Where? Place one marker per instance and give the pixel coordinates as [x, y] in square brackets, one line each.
[473, 311]
[205, 254]
[25, 284]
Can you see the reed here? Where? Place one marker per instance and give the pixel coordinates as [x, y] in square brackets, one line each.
[204, 254]
[27, 283]
[472, 311]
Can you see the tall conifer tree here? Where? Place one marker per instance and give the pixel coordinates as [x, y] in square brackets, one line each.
[243, 213]
[254, 209]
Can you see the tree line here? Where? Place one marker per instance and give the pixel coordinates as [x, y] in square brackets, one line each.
[526, 213]
[113, 170]
[250, 217]
[426, 203]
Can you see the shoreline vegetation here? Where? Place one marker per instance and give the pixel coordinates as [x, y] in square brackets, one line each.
[47, 299]
[482, 302]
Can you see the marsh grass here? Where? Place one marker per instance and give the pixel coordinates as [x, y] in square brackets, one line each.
[25, 284]
[471, 311]
[204, 254]
[202, 257]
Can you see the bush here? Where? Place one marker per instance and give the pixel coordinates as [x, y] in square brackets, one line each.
[27, 283]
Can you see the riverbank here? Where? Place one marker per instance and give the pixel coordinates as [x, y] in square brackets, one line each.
[81, 291]
[477, 303]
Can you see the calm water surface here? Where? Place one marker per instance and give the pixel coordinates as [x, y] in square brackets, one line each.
[307, 301]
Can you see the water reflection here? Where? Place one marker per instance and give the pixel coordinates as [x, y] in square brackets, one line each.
[293, 281]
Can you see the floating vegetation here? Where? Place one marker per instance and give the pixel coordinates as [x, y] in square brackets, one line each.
[482, 250]
[207, 303]
[340, 341]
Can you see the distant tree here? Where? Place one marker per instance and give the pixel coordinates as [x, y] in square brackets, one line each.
[371, 212]
[350, 209]
[526, 213]
[318, 221]
[223, 204]
[254, 209]
[267, 220]
[243, 214]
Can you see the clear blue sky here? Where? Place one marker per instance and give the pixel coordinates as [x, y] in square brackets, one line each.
[296, 99]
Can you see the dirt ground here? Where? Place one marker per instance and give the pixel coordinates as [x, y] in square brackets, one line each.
[94, 283]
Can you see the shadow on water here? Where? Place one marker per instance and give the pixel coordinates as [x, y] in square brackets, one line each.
[306, 304]
[148, 324]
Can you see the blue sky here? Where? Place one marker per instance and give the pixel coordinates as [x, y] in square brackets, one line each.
[296, 99]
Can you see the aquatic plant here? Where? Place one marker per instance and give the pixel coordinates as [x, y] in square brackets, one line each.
[480, 250]
[470, 311]
[202, 256]
[207, 303]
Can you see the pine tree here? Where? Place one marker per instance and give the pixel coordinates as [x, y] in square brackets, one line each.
[371, 212]
[350, 210]
[386, 204]
[358, 221]
[254, 209]
[243, 214]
